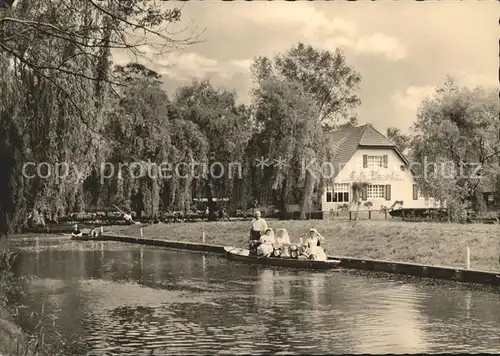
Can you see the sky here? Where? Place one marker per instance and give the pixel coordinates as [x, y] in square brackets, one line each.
[402, 50]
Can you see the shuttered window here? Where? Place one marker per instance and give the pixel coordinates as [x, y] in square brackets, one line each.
[388, 192]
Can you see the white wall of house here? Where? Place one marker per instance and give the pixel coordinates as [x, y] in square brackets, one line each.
[388, 183]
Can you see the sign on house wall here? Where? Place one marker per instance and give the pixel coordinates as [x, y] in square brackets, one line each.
[373, 175]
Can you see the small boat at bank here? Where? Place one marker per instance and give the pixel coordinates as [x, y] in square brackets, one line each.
[78, 235]
[243, 255]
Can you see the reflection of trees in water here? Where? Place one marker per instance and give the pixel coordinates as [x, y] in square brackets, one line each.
[467, 316]
[293, 309]
[394, 314]
[277, 310]
[54, 298]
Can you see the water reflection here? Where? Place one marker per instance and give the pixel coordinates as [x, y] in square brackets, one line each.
[125, 302]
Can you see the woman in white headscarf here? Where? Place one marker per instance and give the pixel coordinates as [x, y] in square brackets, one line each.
[283, 242]
[282, 238]
[314, 251]
[267, 241]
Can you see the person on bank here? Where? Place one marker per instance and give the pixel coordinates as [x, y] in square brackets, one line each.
[128, 218]
[267, 241]
[258, 227]
[76, 232]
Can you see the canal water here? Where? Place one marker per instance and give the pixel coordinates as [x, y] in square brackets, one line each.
[156, 302]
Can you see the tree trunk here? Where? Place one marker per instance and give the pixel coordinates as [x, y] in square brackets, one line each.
[357, 211]
[307, 195]
[187, 193]
[283, 198]
[212, 216]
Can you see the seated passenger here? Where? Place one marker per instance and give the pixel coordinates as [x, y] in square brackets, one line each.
[314, 251]
[282, 238]
[267, 241]
[283, 242]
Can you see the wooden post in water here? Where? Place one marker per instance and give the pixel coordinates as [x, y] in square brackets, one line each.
[467, 258]
[203, 237]
[102, 230]
[369, 214]
[142, 233]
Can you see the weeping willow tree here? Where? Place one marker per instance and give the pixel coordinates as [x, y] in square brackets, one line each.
[138, 126]
[189, 154]
[55, 61]
[225, 125]
[297, 96]
[293, 141]
[53, 123]
[154, 147]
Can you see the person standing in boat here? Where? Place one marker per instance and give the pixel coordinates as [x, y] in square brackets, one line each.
[314, 250]
[258, 226]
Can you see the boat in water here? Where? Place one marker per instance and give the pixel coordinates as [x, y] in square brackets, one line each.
[243, 255]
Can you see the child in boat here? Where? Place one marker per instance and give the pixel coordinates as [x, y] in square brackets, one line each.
[267, 242]
[314, 251]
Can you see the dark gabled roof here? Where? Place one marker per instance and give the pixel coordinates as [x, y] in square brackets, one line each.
[347, 141]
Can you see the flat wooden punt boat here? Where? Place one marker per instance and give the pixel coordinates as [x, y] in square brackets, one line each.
[241, 254]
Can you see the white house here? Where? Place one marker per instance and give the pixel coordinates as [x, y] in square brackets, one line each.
[362, 154]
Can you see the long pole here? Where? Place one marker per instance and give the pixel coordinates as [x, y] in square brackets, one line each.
[117, 208]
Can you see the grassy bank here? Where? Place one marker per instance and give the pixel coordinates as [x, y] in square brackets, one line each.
[427, 243]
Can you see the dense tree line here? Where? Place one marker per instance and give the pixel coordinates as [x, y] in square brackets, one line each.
[63, 100]
[214, 142]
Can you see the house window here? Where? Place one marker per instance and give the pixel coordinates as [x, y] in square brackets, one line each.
[375, 161]
[417, 192]
[339, 193]
[376, 191]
